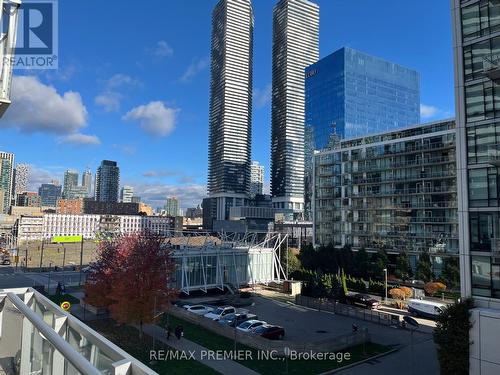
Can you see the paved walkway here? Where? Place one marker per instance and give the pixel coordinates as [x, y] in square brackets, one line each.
[222, 366]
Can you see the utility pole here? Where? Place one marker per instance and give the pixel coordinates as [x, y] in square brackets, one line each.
[385, 285]
[41, 255]
[81, 261]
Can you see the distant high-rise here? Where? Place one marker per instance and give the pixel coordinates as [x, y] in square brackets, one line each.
[6, 179]
[49, 194]
[172, 206]
[352, 94]
[230, 105]
[21, 178]
[107, 182]
[295, 46]
[256, 178]
[69, 182]
[28, 199]
[126, 194]
[87, 182]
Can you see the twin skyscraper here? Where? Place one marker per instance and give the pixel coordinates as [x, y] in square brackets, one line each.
[295, 46]
[345, 94]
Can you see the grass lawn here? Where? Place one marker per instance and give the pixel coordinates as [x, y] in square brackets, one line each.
[127, 338]
[213, 341]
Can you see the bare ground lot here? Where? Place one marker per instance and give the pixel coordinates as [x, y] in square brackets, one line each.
[54, 254]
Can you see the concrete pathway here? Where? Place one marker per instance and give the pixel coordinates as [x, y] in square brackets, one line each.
[223, 366]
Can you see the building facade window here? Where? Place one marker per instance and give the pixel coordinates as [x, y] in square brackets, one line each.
[479, 19]
[484, 231]
[482, 101]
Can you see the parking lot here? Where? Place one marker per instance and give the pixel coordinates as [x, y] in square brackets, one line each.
[303, 324]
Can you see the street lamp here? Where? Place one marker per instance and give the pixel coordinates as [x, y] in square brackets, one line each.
[385, 285]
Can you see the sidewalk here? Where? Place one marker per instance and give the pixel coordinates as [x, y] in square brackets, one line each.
[222, 366]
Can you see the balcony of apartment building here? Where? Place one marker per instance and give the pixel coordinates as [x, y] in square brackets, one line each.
[376, 165]
[446, 189]
[494, 155]
[491, 66]
[38, 337]
[413, 176]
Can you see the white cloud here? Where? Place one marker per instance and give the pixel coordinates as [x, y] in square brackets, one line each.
[109, 100]
[428, 111]
[192, 70]
[190, 195]
[154, 118]
[262, 97]
[120, 80]
[37, 107]
[160, 173]
[80, 139]
[38, 176]
[162, 49]
[111, 96]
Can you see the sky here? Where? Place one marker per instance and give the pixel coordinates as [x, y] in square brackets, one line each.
[133, 85]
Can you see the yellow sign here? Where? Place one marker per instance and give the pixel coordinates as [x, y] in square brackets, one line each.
[67, 239]
[16, 259]
[65, 305]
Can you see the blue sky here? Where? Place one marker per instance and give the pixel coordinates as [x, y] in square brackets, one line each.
[133, 78]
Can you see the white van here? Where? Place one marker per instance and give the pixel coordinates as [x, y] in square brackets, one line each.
[427, 309]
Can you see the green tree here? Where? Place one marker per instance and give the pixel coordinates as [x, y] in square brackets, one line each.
[379, 262]
[451, 272]
[451, 336]
[290, 261]
[403, 269]
[343, 282]
[424, 268]
[361, 263]
[308, 257]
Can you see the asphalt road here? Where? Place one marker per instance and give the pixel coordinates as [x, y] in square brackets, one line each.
[11, 279]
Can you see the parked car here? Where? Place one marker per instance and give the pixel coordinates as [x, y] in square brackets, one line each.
[416, 282]
[220, 312]
[5, 258]
[426, 309]
[250, 325]
[363, 300]
[198, 309]
[234, 320]
[270, 332]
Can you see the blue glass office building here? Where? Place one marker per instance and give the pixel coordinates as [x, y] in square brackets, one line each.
[358, 94]
[351, 94]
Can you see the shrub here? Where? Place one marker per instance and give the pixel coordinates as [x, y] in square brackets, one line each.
[376, 287]
[407, 291]
[397, 293]
[433, 287]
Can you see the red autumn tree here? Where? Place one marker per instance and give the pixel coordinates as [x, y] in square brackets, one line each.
[131, 278]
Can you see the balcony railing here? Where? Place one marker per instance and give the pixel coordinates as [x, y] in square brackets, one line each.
[491, 66]
[494, 155]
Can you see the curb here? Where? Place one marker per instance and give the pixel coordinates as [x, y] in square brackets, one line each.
[360, 362]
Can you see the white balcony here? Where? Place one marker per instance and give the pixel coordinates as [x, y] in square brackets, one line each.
[38, 337]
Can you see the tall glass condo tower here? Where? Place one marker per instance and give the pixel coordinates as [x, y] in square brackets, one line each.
[230, 118]
[295, 46]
